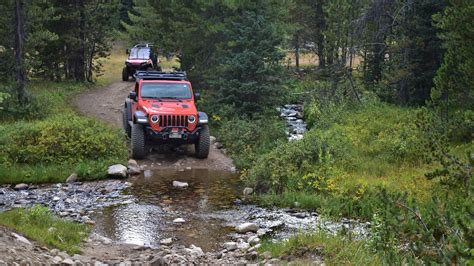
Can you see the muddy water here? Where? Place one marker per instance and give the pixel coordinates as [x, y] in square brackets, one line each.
[157, 203]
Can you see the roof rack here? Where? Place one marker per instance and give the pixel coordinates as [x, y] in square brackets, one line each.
[142, 45]
[157, 75]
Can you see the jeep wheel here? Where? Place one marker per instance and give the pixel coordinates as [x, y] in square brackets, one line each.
[203, 143]
[138, 142]
[125, 118]
[125, 74]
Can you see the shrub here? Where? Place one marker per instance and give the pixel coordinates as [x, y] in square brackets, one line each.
[59, 139]
[246, 139]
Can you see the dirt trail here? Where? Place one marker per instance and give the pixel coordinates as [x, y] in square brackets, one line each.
[106, 105]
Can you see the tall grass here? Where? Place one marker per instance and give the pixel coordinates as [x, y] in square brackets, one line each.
[335, 250]
[39, 224]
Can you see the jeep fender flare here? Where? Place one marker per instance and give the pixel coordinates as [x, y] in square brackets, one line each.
[203, 118]
[140, 118]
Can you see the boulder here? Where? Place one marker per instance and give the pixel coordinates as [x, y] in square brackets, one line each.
[117, 170]
[21, 186]
[246, 227]
[72, 178]
[178, 184]
[247, 191]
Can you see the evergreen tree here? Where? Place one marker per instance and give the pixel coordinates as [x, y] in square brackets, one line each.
[454, 81]
[249, 60]
[415, 52]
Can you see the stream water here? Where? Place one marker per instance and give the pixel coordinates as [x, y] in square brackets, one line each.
[210, 207]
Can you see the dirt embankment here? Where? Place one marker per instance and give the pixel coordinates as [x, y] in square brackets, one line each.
[106, 105]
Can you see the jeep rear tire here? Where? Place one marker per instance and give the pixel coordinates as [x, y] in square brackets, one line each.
[125, 119]
[203, 143]
[138, 142]
[125, 74]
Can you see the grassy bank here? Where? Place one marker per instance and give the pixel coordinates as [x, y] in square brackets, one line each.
[368, 161]
[39, 224]
[50, 140]
[334, 250]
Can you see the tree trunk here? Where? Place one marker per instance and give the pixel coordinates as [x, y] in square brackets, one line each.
[22, 93]
[297, 51]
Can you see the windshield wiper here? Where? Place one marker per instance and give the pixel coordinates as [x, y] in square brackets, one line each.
[174, 98]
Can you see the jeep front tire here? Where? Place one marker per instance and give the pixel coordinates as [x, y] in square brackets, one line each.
[203, 143]
[125, 119]
[125, 74]
[138, 142]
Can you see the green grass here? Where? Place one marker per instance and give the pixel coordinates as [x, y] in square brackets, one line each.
[39, 224]
[335, 250]
[53, 141]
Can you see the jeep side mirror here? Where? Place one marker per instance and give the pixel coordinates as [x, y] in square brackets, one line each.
[126, 51]
[197, 96]
[133, 95]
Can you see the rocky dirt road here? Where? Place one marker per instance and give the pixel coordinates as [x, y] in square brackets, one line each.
[106, 104]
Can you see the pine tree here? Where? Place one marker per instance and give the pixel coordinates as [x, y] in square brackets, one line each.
[454, 81]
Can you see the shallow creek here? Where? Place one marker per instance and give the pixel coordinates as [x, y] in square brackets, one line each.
[211, 207]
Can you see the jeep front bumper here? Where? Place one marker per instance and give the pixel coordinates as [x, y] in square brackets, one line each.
[177, 135]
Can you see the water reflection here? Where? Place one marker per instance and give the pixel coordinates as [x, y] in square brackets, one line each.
[159, 203]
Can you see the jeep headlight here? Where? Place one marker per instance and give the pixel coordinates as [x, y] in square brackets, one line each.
[192, 119]
[155, 119]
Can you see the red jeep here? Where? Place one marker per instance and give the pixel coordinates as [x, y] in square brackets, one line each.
[160, 110]
[140, 57]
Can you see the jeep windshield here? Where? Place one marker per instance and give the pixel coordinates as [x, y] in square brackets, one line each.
[176, 91]
[139, 53]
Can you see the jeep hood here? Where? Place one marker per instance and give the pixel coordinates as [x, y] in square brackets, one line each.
[167, 107]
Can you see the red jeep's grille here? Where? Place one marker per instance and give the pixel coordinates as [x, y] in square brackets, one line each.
[173, 121]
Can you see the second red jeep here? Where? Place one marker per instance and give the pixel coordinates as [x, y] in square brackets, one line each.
[161, 110]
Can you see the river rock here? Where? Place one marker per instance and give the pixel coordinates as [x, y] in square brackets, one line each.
[180, 184]
[230, 246]
[21, 238]
[166, 241]
[248, 191]
[72, 178]
[219, 145]
[133, 167]
[212, 139]
[67, 262]
[246, 227]
[21, 186]
[243, 246]
[179, 221]
[234, 170]
[117, 170]
[195, 251]
[253, 240]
